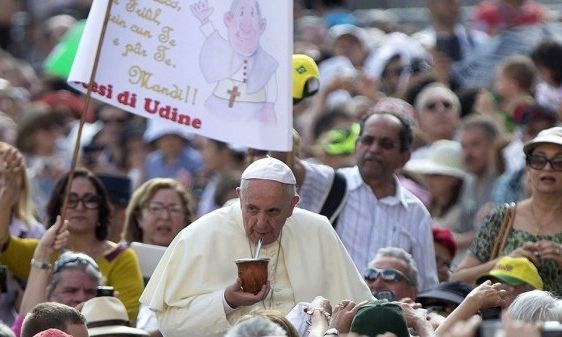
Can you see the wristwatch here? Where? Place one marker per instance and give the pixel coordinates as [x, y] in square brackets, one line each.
[40, 265]
[332, 332]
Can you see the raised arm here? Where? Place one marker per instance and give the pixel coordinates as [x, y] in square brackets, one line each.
[52, 241]
[11, 165]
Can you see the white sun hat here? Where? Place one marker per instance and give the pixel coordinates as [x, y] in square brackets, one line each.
[443, 157]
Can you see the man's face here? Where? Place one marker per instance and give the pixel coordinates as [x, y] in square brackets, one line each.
[476, 148]
[245, 27]
[401, 288]
[378, 149]
[75, 286]
[265, 204]
[438, 118]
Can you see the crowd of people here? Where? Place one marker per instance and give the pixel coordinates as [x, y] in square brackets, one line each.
[414, 202]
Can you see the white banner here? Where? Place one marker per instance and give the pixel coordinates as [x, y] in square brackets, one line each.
[220, 68]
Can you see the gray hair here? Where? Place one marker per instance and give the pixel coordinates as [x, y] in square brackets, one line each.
[439, 89]
[235, 3]
[87, 268]
[256, 327]
[403, 255]
[536, 305]
[290, 189]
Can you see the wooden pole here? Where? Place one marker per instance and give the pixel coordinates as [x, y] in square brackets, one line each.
[86, 106]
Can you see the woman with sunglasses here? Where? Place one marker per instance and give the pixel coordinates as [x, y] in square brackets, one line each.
[88, 216]
[536, 228]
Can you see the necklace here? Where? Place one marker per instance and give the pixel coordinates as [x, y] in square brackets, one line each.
[540, 225]
[274, 270]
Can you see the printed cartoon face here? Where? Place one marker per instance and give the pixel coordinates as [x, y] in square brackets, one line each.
[245, 26]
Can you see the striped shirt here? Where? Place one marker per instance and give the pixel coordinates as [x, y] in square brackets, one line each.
[366, 223]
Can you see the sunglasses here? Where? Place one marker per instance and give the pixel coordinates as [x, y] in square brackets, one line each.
[391, 275]
[433, 105]
[539, 162]
[72, 260]
[89, 200]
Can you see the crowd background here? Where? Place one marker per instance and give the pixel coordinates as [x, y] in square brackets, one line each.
[477, 79]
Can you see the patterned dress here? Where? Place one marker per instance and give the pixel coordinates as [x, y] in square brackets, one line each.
[482, 246]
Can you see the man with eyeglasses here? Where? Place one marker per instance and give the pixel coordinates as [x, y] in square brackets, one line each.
[376, 210]
[392, 275]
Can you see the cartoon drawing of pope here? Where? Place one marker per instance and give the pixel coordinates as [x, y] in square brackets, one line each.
[244, 73]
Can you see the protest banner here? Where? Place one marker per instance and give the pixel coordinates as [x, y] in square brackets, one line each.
[221, 69]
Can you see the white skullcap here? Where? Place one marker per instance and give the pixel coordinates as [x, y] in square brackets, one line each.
[270, 169]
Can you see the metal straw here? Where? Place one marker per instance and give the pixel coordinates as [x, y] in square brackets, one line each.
[258, 248]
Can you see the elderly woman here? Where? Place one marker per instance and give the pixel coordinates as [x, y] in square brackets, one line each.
[534, 227]
[159, 209]
[88, 216]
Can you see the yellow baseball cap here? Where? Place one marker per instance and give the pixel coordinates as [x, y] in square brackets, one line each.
[305, 77]
[514, 271]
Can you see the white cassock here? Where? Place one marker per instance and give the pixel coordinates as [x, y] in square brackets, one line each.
[244, 83]
[187, 288]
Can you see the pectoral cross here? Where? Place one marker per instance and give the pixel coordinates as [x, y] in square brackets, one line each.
[233, 94]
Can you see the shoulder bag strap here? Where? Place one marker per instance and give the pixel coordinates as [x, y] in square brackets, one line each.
[503, 233]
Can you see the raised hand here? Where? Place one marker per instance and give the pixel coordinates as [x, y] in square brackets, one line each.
[202, 11]
[53, 240]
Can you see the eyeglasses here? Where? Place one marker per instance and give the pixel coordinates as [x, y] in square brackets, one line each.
[74, 260]
[433, 105]
[89, 200]
[539, 162]
[385, 143]
[158, 209]
[391, 275]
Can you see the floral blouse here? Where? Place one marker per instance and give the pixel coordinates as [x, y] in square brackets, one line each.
[482, 246]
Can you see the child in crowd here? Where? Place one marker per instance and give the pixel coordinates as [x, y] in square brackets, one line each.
[513, 87]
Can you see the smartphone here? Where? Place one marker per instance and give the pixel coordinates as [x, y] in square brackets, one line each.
[3, 279]
[104, 291]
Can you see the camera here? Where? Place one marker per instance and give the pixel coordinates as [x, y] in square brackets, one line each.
[104, 291]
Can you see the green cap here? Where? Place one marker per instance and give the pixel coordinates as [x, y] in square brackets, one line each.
[378, 317]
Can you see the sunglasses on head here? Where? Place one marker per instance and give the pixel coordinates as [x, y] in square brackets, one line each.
[433, 105]
[74, 261]
[539, 162]
[388, 274]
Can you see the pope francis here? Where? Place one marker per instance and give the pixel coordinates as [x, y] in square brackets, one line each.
[195, 290]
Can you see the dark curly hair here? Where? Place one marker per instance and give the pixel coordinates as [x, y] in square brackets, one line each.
[54, 205]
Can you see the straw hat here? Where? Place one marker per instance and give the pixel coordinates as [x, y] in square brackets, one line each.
[107, 315]
[443, 157]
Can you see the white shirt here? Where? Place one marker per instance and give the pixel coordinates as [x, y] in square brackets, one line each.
[367, 224]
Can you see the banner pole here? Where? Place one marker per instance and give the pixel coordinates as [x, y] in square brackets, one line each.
[86, 106]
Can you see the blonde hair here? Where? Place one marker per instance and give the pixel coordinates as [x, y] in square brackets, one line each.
[143, 194]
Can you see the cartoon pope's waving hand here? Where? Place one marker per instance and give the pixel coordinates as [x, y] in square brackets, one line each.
[244, 73]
